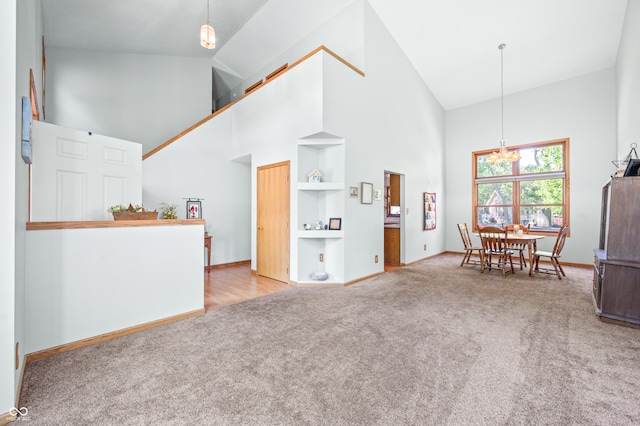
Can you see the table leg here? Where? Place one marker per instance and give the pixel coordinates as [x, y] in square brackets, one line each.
[530, 248]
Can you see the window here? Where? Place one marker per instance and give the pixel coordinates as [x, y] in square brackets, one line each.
[532, 190]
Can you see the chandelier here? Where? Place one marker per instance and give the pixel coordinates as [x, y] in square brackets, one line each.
[207, 33]
[503, 154]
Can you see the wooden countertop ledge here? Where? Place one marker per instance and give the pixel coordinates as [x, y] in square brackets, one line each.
[40, 226]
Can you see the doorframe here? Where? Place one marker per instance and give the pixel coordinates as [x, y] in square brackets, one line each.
[403, 214]
[257, 215]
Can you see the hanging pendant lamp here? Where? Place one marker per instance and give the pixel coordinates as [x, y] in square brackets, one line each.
[503, 155]
[207, 33]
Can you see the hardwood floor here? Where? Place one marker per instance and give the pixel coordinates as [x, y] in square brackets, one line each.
[230, 284]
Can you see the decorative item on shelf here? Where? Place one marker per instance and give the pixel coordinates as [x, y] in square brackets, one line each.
[314, 176]
[307, 226]
[621, 165]
[319, 276]
[319, 225]
[169, 211]
[194, 208]
[335, 223]
[136, 212]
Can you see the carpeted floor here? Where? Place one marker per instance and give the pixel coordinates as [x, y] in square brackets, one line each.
[427, 344]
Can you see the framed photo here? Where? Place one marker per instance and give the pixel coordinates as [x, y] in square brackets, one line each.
[353, 192]
[366, 193]
[377, 194]
[335, 224]
[429, 211]
[194, 210]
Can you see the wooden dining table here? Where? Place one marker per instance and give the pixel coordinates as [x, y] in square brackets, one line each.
[530, 240]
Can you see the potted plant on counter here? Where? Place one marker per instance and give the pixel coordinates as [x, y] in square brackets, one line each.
[136, 212]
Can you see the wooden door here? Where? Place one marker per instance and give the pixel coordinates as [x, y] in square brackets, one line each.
[273, 221]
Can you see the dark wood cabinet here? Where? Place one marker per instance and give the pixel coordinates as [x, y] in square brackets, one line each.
[616, 276]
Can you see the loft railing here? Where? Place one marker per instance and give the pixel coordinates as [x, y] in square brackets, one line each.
[252, 89]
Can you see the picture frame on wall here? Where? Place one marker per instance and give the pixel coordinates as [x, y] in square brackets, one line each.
[429, 211]
[366, 193]
[194, 209]
[353, 192]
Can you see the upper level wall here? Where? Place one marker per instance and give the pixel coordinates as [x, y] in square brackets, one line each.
[142, 98]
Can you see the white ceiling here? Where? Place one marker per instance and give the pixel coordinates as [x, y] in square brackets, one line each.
[452, 43]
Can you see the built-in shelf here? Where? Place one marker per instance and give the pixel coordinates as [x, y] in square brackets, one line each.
[320, 201]
[320, 186]
[320, 234]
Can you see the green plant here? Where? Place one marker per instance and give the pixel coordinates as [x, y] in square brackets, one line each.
[169, 211]
[120, 208]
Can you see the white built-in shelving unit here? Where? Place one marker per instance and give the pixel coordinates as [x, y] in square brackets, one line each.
[321, 201]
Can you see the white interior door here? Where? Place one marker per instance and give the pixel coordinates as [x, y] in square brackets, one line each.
[77, 175]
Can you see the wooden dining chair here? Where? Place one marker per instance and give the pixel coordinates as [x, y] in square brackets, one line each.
[469, 248]
[553, 255]
[494, 249]
[517, 247]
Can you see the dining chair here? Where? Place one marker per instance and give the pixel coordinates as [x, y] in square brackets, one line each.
[469, 248]
[494, 249]
[553, 255]
[520, 248]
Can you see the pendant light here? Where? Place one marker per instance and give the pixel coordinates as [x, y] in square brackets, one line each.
[503, 154]
[207, 33]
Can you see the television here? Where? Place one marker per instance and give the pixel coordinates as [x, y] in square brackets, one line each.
[633, 168]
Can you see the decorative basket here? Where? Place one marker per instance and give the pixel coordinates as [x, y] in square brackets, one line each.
[135, 216]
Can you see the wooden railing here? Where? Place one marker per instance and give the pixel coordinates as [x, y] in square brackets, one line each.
[254, 88]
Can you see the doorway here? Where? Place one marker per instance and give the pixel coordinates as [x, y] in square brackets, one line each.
[393, 220]
[272, 221]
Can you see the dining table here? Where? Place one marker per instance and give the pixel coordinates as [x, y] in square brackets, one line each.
[529, 239]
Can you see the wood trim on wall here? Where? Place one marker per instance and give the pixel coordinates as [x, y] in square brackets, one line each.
[108, 336]
[278, 73]
[40, 226]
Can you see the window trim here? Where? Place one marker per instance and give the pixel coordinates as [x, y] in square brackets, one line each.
[516, 178]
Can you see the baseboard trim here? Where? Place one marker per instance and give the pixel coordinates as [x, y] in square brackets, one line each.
[226, 265]
[6, 418]
[108, 336]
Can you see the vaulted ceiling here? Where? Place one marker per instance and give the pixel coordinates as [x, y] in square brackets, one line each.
[452, 44]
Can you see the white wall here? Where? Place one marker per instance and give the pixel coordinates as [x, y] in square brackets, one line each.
[628, 81]
[320, 95]
[83, 283]
[8, 157]
[398, 127]
[582, 109]
[142, 98]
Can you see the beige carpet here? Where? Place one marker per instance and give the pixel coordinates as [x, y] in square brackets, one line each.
[428, 344]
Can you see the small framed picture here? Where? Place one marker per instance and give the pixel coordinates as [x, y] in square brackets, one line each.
[335, 224]
[353, 192]
[366, 196]
[194, 210]
[377, 195]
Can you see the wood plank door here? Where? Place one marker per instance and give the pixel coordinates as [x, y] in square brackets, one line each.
[273, 210]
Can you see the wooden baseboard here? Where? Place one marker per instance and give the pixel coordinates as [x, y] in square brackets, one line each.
[108, 336]
[6, 418]
[226, 265]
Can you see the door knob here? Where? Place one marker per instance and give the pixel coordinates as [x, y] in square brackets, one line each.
[259, 228]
